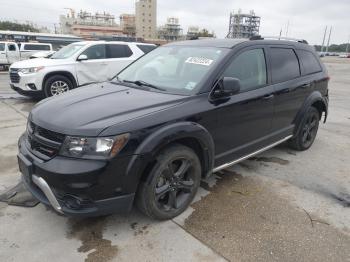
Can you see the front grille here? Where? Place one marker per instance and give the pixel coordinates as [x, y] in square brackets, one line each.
[42, 142]
[14, 76]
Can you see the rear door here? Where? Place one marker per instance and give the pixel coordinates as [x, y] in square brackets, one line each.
[96, 68]
[119, 56]
[3, 57]
[12, 53]
[289, 88]
[244, 121]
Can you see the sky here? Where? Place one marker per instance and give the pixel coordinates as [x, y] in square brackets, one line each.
[307, 18]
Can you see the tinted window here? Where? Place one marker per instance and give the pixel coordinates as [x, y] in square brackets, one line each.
[95, 52]
[118, 51]
[284, 64]
[146, 48]
[309, 62]
[11, 47]
[2, 47]
[37, 47]
[250, 68]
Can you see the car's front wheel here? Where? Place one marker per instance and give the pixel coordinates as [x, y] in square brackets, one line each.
[56, 85]
[307, 130]
[171, 184]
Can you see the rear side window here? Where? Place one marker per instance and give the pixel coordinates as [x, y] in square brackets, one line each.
[118, 51]
[309, 63]
[250, 68]
[11, 47]
[95, 52]
[146, 48]
[2, 47]
[284, 64]
[32, 47]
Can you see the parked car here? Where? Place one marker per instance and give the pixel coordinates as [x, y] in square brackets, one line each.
[74, 65]
[344, 55]
[173, 117]
[11, 52]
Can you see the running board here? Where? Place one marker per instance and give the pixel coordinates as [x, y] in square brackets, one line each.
[216, 169]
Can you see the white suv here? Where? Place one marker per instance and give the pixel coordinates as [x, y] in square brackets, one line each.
[75, 65]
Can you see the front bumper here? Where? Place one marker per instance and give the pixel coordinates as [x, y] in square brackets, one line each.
[76, 187]
[26, 83]
[20, 91]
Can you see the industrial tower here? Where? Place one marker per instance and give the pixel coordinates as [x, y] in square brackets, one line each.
[243, 25]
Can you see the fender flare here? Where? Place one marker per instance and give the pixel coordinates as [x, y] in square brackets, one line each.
[151, 145]
[314, 97]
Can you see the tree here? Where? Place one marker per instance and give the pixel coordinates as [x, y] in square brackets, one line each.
[205, 33]
[7, 25]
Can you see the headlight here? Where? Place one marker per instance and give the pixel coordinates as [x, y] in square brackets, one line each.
[93, 147]
[30, 70]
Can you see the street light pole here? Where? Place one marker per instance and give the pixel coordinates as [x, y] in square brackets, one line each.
[324, 38]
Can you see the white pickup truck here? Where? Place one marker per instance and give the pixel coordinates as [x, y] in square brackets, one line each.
[11, 52]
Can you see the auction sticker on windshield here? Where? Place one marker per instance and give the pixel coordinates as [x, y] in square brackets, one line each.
[199, 61]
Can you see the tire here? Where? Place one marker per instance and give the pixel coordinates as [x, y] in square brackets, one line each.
[171, 184]
[307, 130]
[56, 85]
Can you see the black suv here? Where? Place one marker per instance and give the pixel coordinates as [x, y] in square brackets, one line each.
[174, 116]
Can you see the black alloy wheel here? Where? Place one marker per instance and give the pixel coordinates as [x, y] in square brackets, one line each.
[308, 130]
[172, 183]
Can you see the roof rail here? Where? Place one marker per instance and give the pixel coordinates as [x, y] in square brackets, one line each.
[258, 37]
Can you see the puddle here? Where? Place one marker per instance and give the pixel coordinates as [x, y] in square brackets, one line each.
[90, 232]
[272, 159]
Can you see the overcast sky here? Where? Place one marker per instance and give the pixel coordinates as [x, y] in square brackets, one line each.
[307, 18]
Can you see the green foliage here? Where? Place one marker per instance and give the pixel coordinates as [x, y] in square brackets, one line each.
[205, 33]
[7, 25]
[333, 48]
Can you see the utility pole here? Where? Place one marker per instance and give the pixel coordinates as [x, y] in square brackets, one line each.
[280, 34]
[324, 38]
[329, 38]
[347, 45]
[287, 30]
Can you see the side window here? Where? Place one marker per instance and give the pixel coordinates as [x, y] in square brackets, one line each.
[33, 47]
[95, 52]
[118, 51]
[250, 68]
[284, 64]
[11, 47]
[146, 48]
[309, 62]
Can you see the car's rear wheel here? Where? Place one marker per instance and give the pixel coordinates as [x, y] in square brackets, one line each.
[171, 184]
[57, 85]
[307, 131]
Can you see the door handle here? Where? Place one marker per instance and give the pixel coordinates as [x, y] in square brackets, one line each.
[305, 86]
[268, 97]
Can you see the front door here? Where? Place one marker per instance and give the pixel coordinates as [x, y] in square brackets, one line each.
[244, 121]
[95, 69]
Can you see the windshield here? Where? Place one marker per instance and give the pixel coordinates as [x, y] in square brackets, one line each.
[2, 47]
[175, 69]
[67, 51]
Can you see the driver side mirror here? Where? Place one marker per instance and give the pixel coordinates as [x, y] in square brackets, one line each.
[226, 87]
[82, 58]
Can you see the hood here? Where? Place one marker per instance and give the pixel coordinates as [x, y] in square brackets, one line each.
[87, 111]
[39, 62]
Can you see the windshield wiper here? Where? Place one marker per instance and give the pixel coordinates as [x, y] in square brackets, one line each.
[143, 83]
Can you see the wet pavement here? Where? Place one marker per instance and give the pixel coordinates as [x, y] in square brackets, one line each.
[281, 205]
